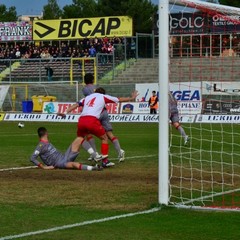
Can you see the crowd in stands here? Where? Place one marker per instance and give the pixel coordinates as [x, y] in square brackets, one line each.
[82, 48]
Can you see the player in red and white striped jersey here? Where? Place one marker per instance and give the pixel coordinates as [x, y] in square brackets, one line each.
[89, 123]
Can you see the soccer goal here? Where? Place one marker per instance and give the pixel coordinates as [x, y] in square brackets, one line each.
[80, 66]
[26, 91]
[200, 51]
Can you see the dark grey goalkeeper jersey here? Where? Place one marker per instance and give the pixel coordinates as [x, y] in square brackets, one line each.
[88, 89]
[172, 104]
[173, 110]
[48, 154]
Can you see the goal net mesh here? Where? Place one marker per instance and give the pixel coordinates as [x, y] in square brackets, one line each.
[204, 64]
[30, 91]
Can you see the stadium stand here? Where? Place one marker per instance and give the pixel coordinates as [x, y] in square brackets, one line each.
[57, 57]
[204, 69]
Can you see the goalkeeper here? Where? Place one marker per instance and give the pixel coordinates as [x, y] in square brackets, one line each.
[174, 117]
[52, 158]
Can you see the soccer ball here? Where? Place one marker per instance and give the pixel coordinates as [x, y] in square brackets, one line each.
[20, 125]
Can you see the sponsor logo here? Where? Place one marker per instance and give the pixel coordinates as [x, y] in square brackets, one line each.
[187, 22]
[34, 117]
[186, 95]
[15, 31]
[82, 28]
[127, 108]
[218, 118]
[49, 108]
[47, 29]
[235, 110]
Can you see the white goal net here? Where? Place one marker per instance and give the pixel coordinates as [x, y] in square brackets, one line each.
[19, 92]
[204, 61]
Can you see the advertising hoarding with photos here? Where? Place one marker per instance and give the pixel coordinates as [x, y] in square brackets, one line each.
[15, 31]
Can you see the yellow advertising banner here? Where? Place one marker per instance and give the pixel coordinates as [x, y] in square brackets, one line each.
[2, 116]
[67, 29]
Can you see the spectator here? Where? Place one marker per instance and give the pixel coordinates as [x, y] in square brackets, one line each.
[18, 53]
[92, 51]
[85, 48]
[49, 73]
[153, 103]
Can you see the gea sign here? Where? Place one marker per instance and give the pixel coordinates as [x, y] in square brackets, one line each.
[82, 28]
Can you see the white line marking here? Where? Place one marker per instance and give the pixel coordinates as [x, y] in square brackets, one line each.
[19, 135]
[210, 196]
[79, 224]
[16, 168]
[29, 167]
[146, 156]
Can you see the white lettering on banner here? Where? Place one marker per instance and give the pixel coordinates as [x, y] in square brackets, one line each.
[14, 31]
[218, 118]
[219, 21]
[73, 118]
[187, 22]
[233, 110]
[33, 117]
[10, 31]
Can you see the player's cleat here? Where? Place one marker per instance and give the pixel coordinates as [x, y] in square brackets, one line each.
[121, 156]
[97, 168]
[100, 157]
[91, 158]
[107, 164]
[186, 140]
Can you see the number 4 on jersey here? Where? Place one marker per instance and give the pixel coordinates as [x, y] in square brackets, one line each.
[91, 102]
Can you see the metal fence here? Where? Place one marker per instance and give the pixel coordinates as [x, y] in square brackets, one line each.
[109, 65]
[34, 69]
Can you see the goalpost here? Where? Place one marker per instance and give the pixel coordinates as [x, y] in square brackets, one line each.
[18, 92]
[80, 66]
[200, 52]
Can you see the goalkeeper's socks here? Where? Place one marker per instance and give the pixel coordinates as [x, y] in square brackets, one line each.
[182, 132]
[91, 141]
[86, 167]
[116, 145]
[88, 148]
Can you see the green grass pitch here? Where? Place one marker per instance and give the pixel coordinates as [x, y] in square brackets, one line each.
[34, 199]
